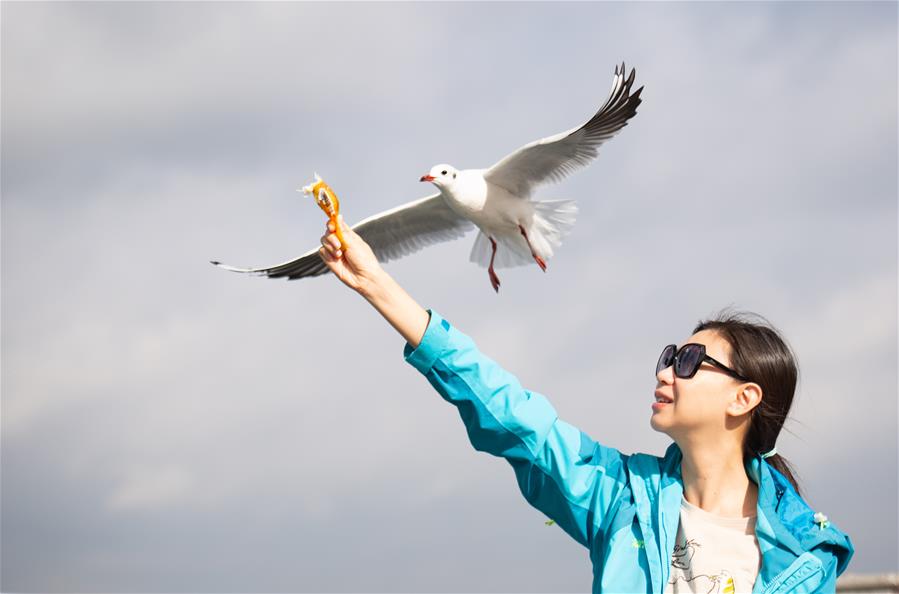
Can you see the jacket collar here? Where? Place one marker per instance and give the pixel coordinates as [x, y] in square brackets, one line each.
[657, 489]
[785, 523]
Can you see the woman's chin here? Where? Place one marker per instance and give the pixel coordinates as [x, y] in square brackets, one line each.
[656, 425]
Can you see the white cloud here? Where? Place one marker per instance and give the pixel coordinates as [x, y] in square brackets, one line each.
[151, 488]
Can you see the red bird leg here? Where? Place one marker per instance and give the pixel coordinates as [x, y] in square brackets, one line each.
[540, 261]
[494, 280]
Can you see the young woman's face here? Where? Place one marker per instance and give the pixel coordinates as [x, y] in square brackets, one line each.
[698, 404]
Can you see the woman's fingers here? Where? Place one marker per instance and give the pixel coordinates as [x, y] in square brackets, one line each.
[331, 242]
[326, 255]
[352, 238]
[334, 241]
[347, 231]
[329, 255]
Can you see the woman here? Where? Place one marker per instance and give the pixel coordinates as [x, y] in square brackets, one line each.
[719, 512]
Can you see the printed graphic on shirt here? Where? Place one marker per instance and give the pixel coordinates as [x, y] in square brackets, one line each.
[683, 554]
[683, 578]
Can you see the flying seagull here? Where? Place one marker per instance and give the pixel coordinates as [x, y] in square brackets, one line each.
[514, 229]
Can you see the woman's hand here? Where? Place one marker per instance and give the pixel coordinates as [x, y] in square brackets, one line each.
[357, 267]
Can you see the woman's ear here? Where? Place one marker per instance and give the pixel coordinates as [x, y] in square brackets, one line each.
[746, 398]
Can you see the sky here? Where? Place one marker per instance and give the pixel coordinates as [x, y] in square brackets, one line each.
[171, 426]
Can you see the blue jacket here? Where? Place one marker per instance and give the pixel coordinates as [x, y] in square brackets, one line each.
[624, 508]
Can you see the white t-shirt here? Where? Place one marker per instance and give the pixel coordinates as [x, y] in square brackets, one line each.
[713, 554]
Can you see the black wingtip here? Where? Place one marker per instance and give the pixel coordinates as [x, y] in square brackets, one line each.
[622, 71]
[215, 262]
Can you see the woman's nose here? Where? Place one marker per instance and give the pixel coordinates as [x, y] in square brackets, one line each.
[666, 376]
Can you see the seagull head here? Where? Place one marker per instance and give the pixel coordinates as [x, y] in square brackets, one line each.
[441, 175]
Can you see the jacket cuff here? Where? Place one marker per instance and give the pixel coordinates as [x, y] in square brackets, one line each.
[431, 346]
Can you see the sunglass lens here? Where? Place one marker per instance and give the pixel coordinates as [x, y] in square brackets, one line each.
[688, 360]
[666, 358]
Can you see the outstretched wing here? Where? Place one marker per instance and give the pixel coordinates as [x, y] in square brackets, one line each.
[391, 234]
[554, 157]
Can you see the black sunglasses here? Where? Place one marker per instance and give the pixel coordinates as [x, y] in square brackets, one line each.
[688, 359]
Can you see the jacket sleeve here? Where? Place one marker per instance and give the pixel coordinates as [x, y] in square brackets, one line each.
[834, 560]
[561, 471]
[829, 583]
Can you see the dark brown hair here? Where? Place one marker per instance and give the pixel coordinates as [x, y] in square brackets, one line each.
[760, 353]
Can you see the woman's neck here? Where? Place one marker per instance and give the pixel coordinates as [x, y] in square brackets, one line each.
[715, 480]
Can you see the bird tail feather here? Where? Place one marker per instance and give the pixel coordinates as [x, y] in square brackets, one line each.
[508, 254]
[552, 221]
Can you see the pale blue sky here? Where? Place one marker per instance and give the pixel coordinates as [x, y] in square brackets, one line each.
[170, 426]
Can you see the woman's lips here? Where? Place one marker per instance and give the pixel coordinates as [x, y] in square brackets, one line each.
[661, 401]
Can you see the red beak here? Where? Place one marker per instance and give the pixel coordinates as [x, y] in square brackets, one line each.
[427, 178]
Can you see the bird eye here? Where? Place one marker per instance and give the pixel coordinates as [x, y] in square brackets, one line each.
[443, 172]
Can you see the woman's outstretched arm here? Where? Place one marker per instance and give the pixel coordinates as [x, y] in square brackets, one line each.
[359, 269]
[560, 470]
